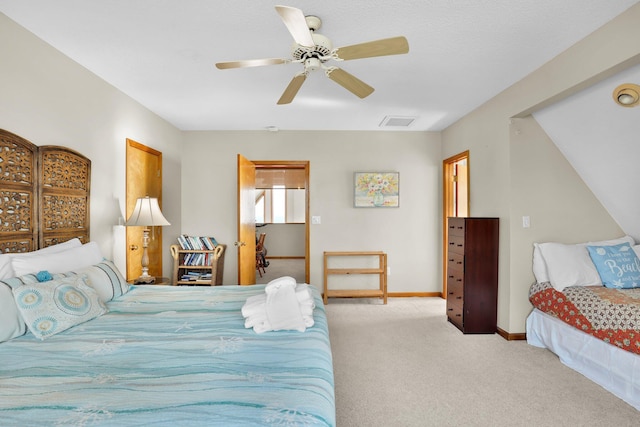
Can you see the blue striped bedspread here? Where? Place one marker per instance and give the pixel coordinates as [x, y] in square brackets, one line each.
[171, 356]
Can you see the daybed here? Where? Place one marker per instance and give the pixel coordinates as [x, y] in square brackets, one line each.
[587, 311]
[81, 347]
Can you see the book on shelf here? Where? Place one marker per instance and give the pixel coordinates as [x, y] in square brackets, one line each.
[197, 243]
[194, 276]
[198, 259]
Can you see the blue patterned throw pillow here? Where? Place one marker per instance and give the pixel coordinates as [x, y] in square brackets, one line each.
[618, 265]
[57, 305]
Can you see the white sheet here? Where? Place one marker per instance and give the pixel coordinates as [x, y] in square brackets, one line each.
[616, 370]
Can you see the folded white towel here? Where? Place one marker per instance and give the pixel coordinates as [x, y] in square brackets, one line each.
[308, 321]
[283, 308]
[262, 321]
[284, 280]
[254, 305]
[285, 305]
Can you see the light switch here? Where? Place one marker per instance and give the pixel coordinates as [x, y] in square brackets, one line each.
[315, 220]
[526, 222]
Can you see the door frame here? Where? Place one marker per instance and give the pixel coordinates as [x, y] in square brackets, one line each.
[131, 194]
[246, 221]
[291, 164]
[450, 181]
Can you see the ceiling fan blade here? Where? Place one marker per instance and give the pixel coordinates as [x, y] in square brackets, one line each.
[291, 90]
[296, 24]
[392, 46]
[350, 82]
[251, 63]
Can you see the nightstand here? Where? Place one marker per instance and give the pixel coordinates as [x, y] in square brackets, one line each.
[158, 281]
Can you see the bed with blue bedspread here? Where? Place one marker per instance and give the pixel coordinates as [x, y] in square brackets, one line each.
[171, 356]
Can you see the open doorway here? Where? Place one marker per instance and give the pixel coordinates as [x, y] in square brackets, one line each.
[293, 221]
[455, 203]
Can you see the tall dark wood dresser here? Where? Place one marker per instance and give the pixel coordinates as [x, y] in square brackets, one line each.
[472, 274]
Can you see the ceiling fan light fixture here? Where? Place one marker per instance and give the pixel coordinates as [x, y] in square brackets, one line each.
[311, 64]
[313, 22]
[314, 50]
[627, 95]
[322, 49]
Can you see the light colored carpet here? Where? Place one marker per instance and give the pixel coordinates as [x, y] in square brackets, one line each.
[403, 364]
[293, 267]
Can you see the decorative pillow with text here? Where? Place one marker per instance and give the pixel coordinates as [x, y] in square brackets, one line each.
[618, 266]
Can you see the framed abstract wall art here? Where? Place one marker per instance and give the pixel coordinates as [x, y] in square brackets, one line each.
[377, 190]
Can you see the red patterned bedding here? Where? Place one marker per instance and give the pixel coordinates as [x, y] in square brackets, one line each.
[612, 315]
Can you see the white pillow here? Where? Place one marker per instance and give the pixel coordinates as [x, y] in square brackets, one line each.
[59, 262]
[571, 265]
[6, 270]
[105, 279]
[57, 305]
[539, 267]
[11, 323]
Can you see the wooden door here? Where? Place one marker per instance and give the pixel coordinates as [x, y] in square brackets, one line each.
[455, 203]
[144, 178]
[246, 243]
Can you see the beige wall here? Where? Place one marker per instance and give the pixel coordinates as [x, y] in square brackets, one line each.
[409, 234]
[284, 240]
[560, 205]
[50, 100]
[508, 161]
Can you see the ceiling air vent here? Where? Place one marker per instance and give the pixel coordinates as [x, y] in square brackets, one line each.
[397, 121]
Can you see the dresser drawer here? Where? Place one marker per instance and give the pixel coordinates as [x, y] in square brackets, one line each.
[455, 287]
[456, 226]
[456, 244]
[454, 313]
[455, 261]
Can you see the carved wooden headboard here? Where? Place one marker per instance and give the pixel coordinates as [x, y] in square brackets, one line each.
[44, 194]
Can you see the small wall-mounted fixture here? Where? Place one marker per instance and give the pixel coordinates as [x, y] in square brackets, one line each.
[627, 95]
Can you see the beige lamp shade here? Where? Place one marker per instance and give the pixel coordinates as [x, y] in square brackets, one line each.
[147, 213]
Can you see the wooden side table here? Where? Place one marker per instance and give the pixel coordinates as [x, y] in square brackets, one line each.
[158, 281]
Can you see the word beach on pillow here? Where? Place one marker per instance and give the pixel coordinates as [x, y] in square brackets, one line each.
[618, 266]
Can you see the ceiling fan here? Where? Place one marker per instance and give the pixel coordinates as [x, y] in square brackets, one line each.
[314, 50]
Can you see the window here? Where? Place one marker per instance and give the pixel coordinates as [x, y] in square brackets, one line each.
[260, 207]
[278, 204]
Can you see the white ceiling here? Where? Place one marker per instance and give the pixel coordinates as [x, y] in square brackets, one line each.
[162, 53]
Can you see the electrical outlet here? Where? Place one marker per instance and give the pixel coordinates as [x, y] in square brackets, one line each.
[315, 220]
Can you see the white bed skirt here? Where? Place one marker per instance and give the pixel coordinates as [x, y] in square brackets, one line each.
[617, 370]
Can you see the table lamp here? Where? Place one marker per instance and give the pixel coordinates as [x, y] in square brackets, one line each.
[147, 214]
